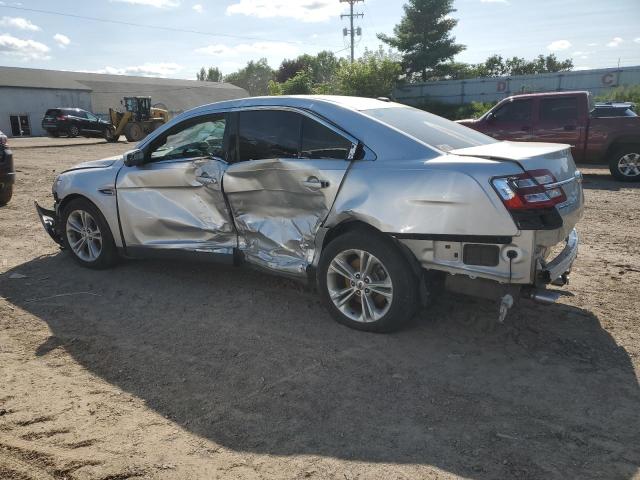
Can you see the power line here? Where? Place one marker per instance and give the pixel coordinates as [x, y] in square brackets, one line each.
[351, 31]
[155, 27]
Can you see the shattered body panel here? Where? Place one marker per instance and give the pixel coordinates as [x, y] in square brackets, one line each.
[278, 207]
[175, 204]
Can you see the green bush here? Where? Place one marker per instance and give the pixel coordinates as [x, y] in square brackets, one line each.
[624, 93]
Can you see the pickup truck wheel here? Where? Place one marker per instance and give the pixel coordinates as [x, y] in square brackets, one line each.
[6, 193]
[87, 236]
[625, 164]
[366, 283]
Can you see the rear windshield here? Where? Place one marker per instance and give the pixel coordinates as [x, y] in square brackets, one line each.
[436, 131]
[52, 112]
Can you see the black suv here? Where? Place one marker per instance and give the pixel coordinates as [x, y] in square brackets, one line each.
[7, 175]
[73, 122]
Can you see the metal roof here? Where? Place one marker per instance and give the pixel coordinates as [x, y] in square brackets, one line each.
[107, 90]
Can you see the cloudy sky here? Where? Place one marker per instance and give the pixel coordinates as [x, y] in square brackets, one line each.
[174, 38]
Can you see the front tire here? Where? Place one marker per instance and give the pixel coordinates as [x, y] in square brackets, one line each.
[366, 282]
[87, 236]
[6, 193]
[624, 164]
[110, 134]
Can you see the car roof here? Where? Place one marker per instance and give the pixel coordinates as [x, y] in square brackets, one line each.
[310, 102]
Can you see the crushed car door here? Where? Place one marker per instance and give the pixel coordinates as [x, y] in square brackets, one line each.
[287, 172]
[174, 200]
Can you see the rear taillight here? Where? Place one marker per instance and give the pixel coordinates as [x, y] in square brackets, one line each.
[529, 190]
[61, 117]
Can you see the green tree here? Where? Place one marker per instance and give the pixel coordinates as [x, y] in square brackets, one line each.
[373, 75]
[212, 74]
[322, 67]
[300, 84]
[423, 37]
[254, 78]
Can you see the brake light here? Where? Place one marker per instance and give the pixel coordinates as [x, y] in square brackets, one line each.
[529, 190]
[61, 117]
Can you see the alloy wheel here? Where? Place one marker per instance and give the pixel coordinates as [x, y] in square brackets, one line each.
[629, 165]
[84, 236]
[359, 285]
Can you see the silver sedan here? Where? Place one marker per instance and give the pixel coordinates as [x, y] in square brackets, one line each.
[375, 203]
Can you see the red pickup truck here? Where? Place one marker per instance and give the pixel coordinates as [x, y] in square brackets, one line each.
[565, 117]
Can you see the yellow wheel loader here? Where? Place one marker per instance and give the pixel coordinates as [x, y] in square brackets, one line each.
[137, 121]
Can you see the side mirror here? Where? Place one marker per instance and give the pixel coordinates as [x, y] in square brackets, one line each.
[490, 117]
[134, 158]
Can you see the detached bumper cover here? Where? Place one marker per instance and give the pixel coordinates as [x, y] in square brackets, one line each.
[562, 263]
[49, 220]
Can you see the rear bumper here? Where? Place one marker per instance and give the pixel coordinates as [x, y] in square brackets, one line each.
[49, 220]
[554, 269]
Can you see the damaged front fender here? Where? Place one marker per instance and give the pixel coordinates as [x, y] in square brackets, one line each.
[49, 220]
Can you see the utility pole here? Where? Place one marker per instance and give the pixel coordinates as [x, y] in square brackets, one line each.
[351, 31]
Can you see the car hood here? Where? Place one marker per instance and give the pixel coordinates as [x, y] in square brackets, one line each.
[103, 163]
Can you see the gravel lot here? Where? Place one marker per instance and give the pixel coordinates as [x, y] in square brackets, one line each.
[195, 371]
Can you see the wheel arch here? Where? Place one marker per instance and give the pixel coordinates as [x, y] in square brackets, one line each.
[620, 142]
[113, 224]
[351, 224]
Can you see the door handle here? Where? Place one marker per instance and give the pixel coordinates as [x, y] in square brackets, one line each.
[205, 179]
[314, 183]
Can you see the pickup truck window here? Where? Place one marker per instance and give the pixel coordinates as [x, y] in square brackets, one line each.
[516, 111]
[435, 131]
[558, 109]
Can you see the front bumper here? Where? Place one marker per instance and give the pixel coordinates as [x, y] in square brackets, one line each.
[561, 265]
[49, 220]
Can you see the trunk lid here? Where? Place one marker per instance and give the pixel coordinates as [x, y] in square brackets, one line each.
[554, 157]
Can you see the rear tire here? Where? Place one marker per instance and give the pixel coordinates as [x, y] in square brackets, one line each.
[134, 132]
[74, 131]
[624, 163]
[366, 282]
[87, 236]
[6, 193]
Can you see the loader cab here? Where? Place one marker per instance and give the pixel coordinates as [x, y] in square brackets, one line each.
[140, 107]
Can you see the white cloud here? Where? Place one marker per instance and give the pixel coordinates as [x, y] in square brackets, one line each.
[144, 70]
[257, 48]
[305, 10]
[637, 40]
[615, 42]
[592, 44]
[559, 45]
[24, 49]
[61, 40]
[153, 3]
[19, 23]
[198, 8]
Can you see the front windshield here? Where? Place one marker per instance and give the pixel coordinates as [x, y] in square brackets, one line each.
[431, 129]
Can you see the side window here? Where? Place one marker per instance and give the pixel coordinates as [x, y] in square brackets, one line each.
[558, 109]
[79, 114]
[516, 111]
[268, 134]
[92, 117]
[192, 139]
[319, 141]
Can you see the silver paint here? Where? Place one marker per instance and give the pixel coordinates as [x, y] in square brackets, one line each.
[400, 186]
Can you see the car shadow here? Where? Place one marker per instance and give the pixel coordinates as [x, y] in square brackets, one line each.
[255, 364]
[604, 181]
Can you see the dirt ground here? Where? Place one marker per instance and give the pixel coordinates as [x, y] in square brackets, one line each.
[165, 370]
